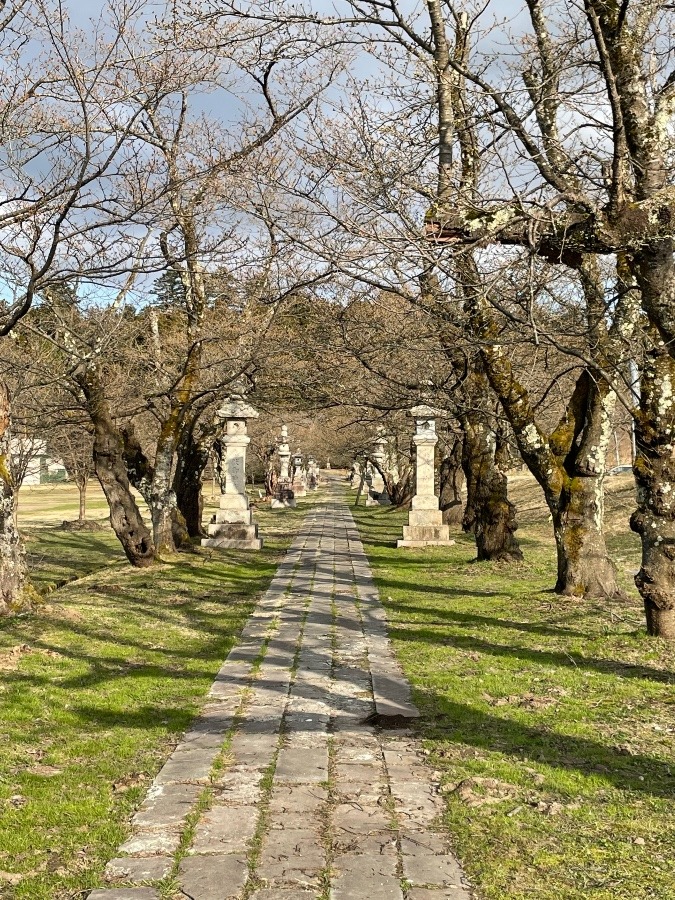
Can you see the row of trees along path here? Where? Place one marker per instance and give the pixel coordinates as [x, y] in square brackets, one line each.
[494, 222]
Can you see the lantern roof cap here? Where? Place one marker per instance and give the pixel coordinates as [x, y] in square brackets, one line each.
[236, 407]
[425, 412]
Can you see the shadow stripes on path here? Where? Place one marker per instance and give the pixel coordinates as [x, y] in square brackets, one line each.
[300, 778]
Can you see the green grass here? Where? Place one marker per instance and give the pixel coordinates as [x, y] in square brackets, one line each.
[550, 721]
[98, 684]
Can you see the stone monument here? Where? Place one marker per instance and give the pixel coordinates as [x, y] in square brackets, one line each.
[299, 480]
[284, 498]
[233, 526]
[312, 474]
[425, 526]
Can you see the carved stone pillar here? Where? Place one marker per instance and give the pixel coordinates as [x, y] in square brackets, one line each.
[233, 526]
[425, 526]
[284, 497]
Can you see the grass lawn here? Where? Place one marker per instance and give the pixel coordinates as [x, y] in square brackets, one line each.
[551, 722]
[98, 684]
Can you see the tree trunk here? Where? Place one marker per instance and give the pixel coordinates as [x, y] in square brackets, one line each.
[451, 480]
[191, 459]
[584, 567]
[190, 503]
[14, 592]
[271, 477]
[153, 483]
[111, 471]
[179, 531]
[163, 501]
[654, 519]
[490, 515]
[402, 491]
[580, 443]
[271, 480]
[82, 488]
[168, 523]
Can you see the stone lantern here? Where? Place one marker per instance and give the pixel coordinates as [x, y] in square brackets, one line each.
[425, 526]
[299, 483]
[312, 474]
[233, 526]
[284, 452]
[284, 497]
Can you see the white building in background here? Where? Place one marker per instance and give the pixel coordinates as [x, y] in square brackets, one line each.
[31, 456]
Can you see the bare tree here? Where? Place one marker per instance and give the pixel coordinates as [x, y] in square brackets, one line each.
[65, 120]
[74, 445]
[615, 201]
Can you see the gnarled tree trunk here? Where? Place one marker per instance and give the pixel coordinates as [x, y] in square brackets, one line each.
[163, 505]
[490, 515]
[400, 485]
[584, 567]
[580, 444]
[14, 592]
[111, 471]
[168, 524]
[570, 467]
[569, 464]
[654, 519]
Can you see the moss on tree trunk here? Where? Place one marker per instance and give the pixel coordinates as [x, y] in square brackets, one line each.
[654, 518]
[489, 514]
[584, 566]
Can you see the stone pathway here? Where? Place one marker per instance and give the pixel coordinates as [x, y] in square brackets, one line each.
[288, 787]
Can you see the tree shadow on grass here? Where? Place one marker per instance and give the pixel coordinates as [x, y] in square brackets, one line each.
[389, 584]
[457, 723]
[460, 724]
[526, 654]
[444, 618]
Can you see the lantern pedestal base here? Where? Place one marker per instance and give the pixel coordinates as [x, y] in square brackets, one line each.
[234, 536]
[425, 528]
[284, 498]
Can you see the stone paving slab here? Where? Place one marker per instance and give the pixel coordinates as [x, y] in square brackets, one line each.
[187, 765]
[137, 869]
[225, 829]
[361, 884]
[151, 843]
[302, 765]
[283, 894]
[213, 877]
[296, 802]
[166, 806]
[451, 893]
[292, 855]
[239, 788]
